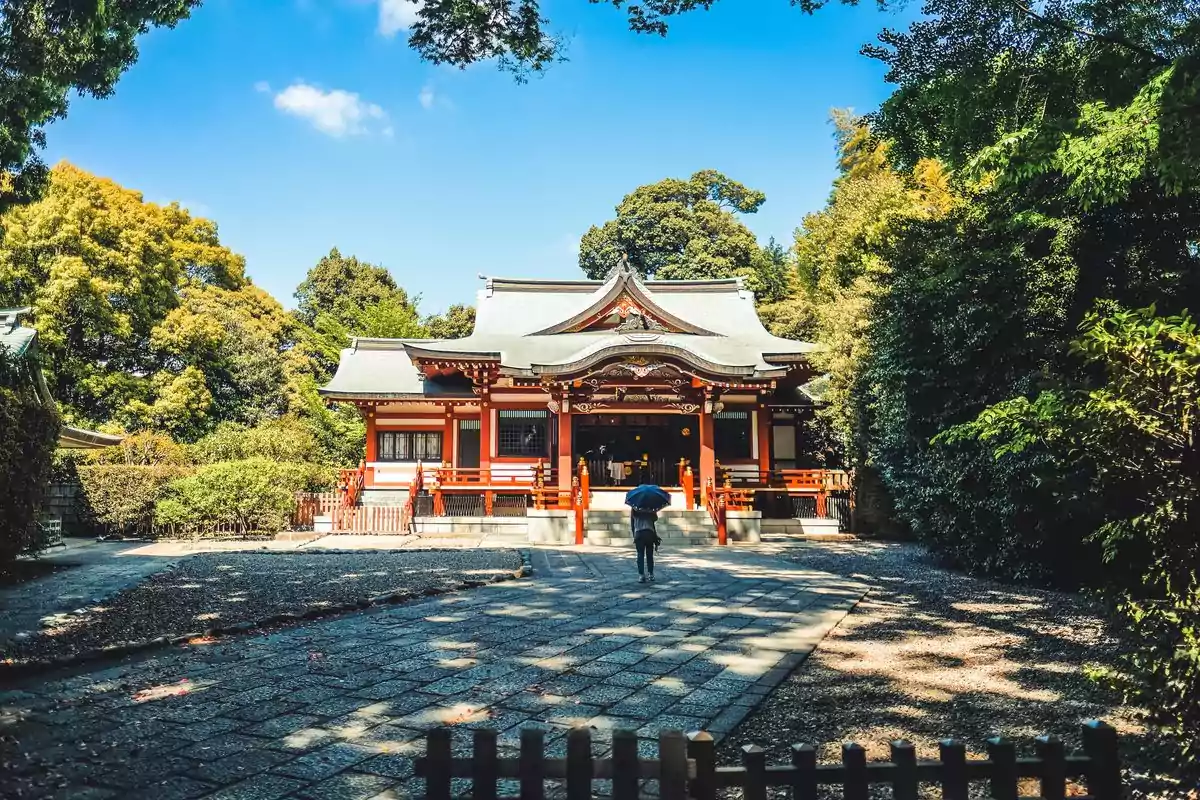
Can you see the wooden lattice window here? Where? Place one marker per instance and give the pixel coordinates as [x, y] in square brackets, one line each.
[409, 446]
[523, 434]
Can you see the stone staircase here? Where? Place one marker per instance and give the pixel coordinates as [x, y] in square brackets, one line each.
[675, 526]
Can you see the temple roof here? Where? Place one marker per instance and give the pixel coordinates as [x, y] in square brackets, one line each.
[540, 328]
[22, 343]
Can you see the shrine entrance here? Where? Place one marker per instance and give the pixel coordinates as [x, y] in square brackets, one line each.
[630, 449]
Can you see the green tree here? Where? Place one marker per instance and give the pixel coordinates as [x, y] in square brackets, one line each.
[685, 229]
[103, 270]
[51, 49]
[457, 323]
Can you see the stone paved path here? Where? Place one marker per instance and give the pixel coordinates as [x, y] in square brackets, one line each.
[335, 709]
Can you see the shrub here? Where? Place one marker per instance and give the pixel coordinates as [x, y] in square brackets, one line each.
[142, 449]
[253, 495]
[286, 440]
[28, 436]
[121, 497]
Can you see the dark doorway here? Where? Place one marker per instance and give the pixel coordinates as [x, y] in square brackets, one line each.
[628, 449]
[468, 444]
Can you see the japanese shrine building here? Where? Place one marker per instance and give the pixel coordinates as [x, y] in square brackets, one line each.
[631, 376]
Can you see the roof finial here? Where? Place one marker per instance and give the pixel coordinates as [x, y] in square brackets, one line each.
[621, 268]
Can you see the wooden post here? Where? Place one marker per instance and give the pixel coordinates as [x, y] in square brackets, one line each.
[1054, 767]
[489, 501]
[854, 759]
[708, 457]
[804, 781]
[585, 487]
[689, 488]
[703, 752]
[531, 765]
[439, 503]
[1104, 773]
[448, 438]
[954, 769]
[904, 785]
[565, 447]
[625, 765]
[579, 764]
[438, 759]
[539, 485]
[1003, 780]
[722, 528]
[485, 768]
[372, 451]
[485, 435]
[577, 507]
[673, 766]
[764, 441]
[754, 760]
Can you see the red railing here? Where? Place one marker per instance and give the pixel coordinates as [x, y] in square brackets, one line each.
[716, 503]
[351, 482]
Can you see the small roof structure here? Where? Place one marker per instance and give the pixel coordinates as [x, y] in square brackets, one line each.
[544, 329]
[21, 342]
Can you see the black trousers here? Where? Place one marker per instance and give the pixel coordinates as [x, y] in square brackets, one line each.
[645, 554]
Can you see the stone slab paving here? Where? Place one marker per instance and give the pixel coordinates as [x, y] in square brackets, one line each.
[336, 709]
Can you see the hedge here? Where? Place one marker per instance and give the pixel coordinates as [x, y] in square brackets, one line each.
[28, 437]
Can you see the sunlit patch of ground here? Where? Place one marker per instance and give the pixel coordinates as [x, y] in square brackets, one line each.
[930, 654]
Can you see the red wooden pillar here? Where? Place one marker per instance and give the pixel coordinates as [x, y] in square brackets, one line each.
[448, 438]
[565, 448]
[372, 448]
[708, 457]
[764, 439]
[485, 435]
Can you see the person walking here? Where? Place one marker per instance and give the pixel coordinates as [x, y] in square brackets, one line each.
[645, 537]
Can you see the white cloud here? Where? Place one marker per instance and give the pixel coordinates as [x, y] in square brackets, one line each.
[397, 15]
[262, 86]
[427, 97]
[335, 112]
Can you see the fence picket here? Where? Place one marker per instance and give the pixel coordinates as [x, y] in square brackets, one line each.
[532, 764]
[954, 769]
[686, 768]
[703, 751]
[754, 760]
[625, 765]
[1054, 767]
[1104, 773]
[854, 759]
[904, 784]
[438, 764]
[484, 766]
[804, 779]
[673, 766]
[1003, 755]
[579, 764]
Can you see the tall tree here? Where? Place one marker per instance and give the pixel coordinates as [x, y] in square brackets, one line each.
[102, 269]
[685, 229]
[457, 323]
[51, 48]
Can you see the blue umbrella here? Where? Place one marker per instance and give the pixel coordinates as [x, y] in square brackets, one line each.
[647, 497]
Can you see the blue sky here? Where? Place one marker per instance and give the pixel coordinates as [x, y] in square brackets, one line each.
[299, 125]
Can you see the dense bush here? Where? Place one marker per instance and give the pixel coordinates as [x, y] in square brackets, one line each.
[120, 498]
[28, 436]
[287, 439]
[145, 448]
[1131, 426]
[253, 495]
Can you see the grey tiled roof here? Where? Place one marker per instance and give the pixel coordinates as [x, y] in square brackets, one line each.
[511, 315]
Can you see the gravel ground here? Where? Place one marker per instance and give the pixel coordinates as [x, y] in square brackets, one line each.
[931, 653]
[217, 589]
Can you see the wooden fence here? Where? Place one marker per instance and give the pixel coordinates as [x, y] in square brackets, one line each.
[686, 768]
